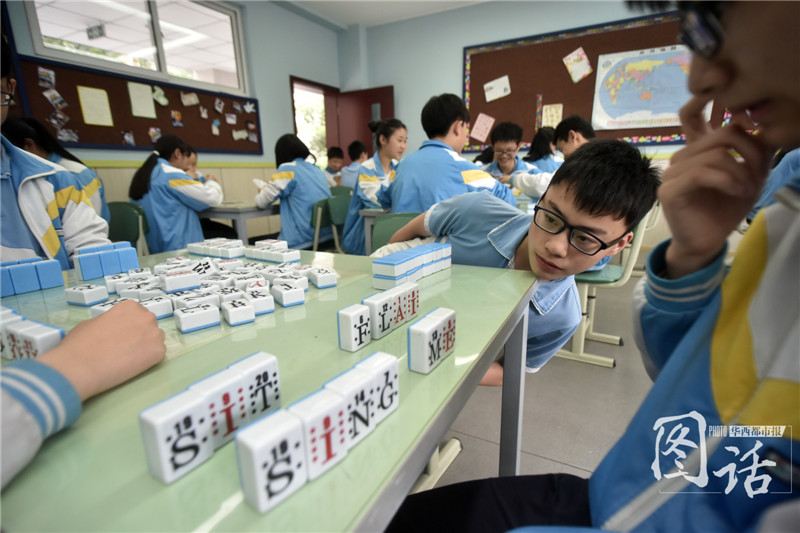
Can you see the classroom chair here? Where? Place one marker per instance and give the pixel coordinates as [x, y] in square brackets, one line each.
[330, 212]
[337, 190]
[386, 225]
[128, 223]
[608, 277]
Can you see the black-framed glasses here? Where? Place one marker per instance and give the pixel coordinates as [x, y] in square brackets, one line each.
[701, 30]
[581, 240]
[6, 99]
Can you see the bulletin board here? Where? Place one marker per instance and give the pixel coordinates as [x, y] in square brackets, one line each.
[538, 76]
[87, 108]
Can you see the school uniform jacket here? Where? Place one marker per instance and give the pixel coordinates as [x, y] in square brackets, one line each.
[493, 168]
[90, 182]
[726, 348]
[298, 185]
[54, 207]
[37, 401]
[171, 207]
[434, 173]
[547, 163]
[371, 180]
[485, 231]
[533, 183]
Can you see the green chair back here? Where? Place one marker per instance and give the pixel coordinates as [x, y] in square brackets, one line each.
[342, 190]
[386, 225]
[337, 209]
[125, 220]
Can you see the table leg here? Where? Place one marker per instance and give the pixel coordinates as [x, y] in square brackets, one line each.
[513, 395]
[240, 225]
[368, 233]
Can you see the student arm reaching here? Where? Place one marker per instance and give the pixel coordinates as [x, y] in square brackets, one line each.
[43, 396]
[415, 228]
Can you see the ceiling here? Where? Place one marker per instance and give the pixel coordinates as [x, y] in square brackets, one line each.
[375, 12]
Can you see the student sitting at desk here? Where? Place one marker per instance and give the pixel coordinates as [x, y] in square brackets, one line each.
[45, 212]
[31, 135]
[42, 396]
[333, 172]
[211, 228]
[170, 198]
[506, 139]
[436, 171]
[375, 174]
[542, 152]
[587, 214]
[358, 153]
[299, 185]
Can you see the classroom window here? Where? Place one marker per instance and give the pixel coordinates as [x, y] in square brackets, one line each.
[309, 119]
[163, 40]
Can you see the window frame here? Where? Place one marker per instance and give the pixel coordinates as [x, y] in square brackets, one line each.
[161, 75]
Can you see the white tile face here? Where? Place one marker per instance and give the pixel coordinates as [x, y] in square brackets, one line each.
[357, 387]
[111, 281]
[354, 327]
[383, 367]
[242, 282]
[272, 244]
[287, 294]
[161, 306]
[227, 294]
[99, 309]
[262, 301]
[193, 299]
[204, 267]
[194, 318]
[27, 339]
[237, 312]
[301, 282]
[324, 433]
[176, 436]
[140, 273]
[180, 280]
[322, 278]
[272, 460]
[229, 265]
[86, 295]
[431, 339]
[224, 404]
[261, 383]
[381, 314]
[5, 344]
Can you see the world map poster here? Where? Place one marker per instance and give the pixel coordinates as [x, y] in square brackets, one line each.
[641, 88]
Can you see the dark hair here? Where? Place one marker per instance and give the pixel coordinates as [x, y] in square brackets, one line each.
[288, 148]
[165, 146]
[441, 112]
[385, 128]
[610, 177]
[575, 123]
[335, 152]
[17, 130]
[355, 149]
[5, 58]
[485, 157]
[540, 145]
[506, 131]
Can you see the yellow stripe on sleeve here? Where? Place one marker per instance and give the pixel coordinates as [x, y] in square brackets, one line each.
[50, 239]
[69, 194]
[367, 178]
[92, 187]
[183, 182]
[474, 175]
[283, 175]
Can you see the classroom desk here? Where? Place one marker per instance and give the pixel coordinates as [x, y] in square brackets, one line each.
[239, 212]
[93, 476]
[369, 220]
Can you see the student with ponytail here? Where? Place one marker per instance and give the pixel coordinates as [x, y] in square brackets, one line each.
[375, 174]
[170, 197]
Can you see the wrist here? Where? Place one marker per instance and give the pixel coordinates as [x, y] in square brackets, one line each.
[680, 262]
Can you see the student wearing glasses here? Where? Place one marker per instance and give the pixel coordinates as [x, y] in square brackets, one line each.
[714, 446]
[587, 213]
[45, 210]
[506, 139]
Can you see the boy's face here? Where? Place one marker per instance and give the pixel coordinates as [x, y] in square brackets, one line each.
[505, 151]
[574, 141]
[335, 163]
[757, 68]
[552, 256]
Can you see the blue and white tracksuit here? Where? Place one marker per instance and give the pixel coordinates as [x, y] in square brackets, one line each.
[493, 168]
[371, 179]
[548, 163]
[45, 211]
[434, 173]
[350, 175]
[485, 231]
[37, 401]
[171, 207]
[90, 182]
[298, 185]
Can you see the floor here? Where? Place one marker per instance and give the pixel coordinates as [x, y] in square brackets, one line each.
[573, 412]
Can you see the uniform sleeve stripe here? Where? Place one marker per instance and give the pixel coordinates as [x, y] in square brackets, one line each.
[51, 240]
[474, 175]
[183, 182]
[284, 175]
[45, 389]
[367, 177]
[37, 407]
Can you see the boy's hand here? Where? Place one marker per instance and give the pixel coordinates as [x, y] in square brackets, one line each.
[107, 350]
[706, 192]
[506, 179]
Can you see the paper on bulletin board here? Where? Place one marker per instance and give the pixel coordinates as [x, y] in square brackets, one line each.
[497, 88]
[551, 114]
[578, 65]
[95, 107]
[142, 104]
[481, 128]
